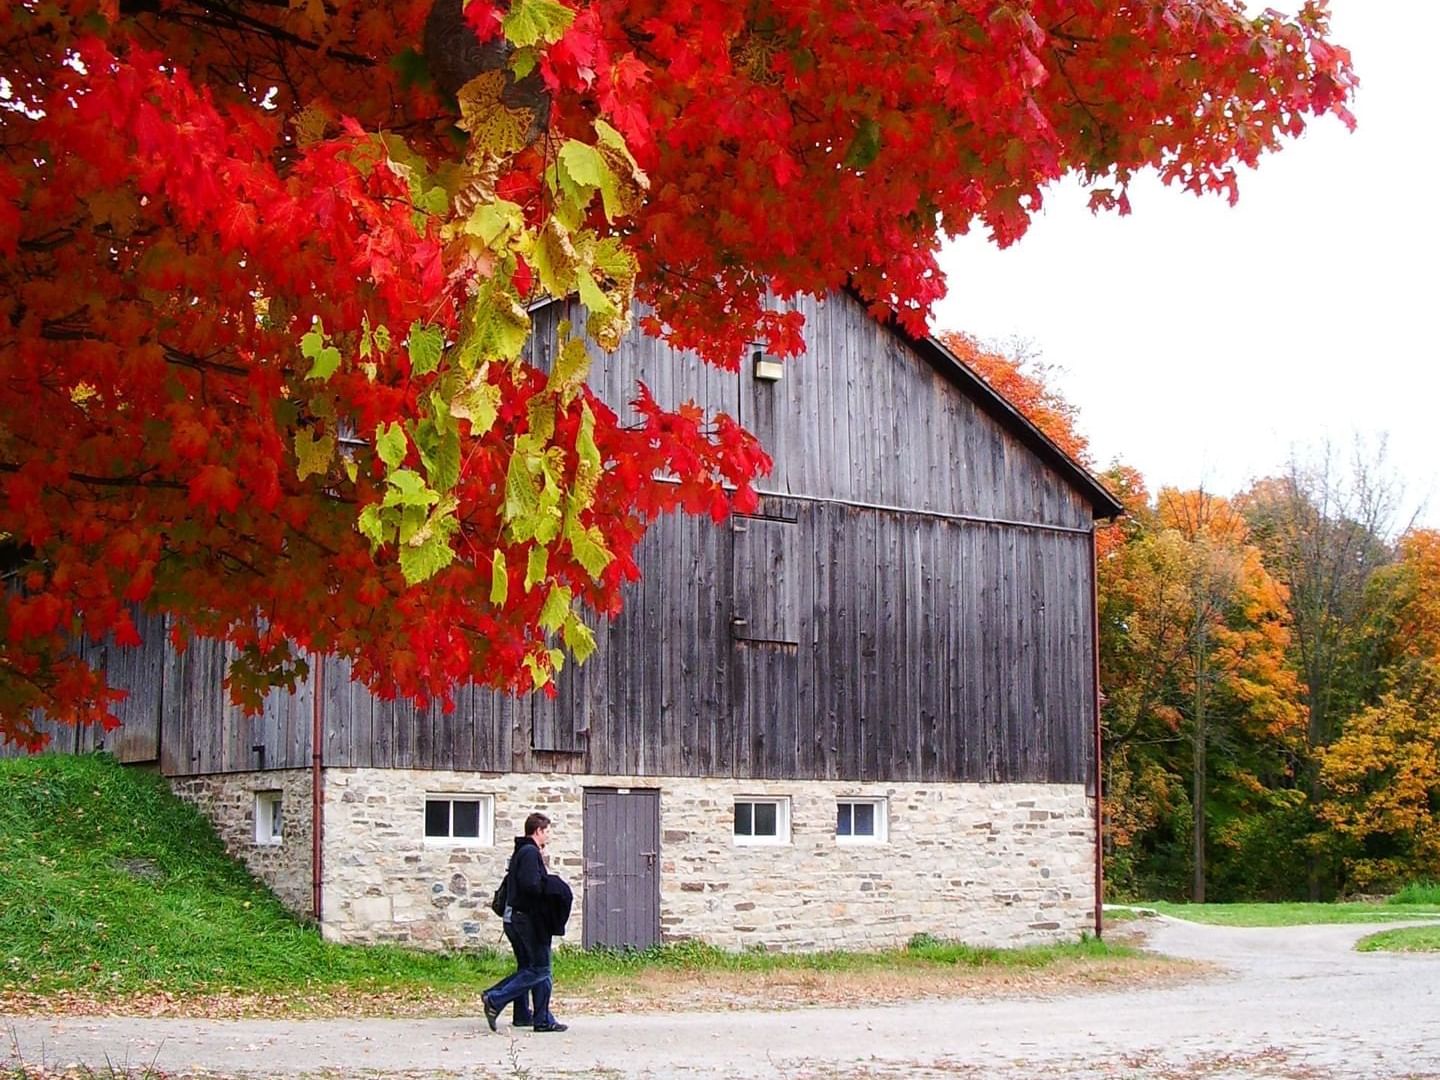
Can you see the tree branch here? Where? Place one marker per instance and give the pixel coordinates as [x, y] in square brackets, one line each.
[136, 481]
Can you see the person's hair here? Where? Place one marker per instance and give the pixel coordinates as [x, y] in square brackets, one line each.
[535, 822]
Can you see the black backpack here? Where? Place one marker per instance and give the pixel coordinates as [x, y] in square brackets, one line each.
[501, 899]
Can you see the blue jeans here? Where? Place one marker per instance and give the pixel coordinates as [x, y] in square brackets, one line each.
[524, 1013]
[532, 976]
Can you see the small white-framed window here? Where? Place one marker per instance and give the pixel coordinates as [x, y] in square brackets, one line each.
[460, 819]
[762, 820]
[269, 817]
[862, 821]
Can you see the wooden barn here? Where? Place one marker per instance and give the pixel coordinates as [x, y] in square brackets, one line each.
[865, 712]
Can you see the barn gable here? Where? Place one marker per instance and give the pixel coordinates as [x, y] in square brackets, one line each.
[868, 416]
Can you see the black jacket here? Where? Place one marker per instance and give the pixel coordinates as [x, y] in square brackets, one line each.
[546, 898]
[556, 910]
[527, 876]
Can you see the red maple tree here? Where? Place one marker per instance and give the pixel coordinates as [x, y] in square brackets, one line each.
[266, 267]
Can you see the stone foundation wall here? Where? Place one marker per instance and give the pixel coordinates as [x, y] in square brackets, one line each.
[995, 864]
[228, 800]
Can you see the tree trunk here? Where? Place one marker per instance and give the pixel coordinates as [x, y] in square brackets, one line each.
[1198, 748]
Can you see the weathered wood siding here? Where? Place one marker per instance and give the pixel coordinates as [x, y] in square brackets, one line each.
[202, 732]
[884, 646]
[137, 672]
[909, 648]
[858, 418]
[911, 603]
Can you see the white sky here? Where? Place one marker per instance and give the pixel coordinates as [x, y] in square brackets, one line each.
[1202, 343]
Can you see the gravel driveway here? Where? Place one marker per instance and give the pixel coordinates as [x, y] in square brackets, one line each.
[1291, 1002]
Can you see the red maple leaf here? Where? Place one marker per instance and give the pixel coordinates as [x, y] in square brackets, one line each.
[214, 488]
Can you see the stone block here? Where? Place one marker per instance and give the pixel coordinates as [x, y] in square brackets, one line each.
[371, 910]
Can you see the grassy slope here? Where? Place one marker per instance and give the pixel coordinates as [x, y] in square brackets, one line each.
[74, 918]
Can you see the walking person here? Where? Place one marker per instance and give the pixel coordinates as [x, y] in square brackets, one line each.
[537, 906]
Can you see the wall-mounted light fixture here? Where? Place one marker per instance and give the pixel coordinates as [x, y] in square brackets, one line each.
[765, 368]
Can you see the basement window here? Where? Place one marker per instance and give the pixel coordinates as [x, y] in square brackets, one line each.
[862, 821]
[269, 817]
[762, 821]
[460, 819]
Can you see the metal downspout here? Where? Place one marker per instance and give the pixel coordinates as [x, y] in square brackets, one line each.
[317, 784]
[1095, 699]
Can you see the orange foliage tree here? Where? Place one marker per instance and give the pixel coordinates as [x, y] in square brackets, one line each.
[265, 269]
[1026, 386]
[1201, 712]
[1382, 775]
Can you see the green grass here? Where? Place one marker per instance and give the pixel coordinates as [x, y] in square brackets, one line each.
[923, 951]
[19, 1070]
[1294, 914]
[1122, 915]
[1404, 939]
[1418, 892]
[74, 918]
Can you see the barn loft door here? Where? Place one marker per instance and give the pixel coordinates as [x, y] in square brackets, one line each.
[768, 571]
[622, 868]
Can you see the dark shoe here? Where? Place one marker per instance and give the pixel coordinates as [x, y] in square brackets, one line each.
[528, 1022]
[552, 1026]
[491, 1012]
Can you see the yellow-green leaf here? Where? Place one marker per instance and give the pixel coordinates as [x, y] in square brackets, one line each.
[408, 488]
[494, 127]
[582, 162]
[314, 455]
[390, 444]
[495, 222]
[617, 262]
[553, 258]
[425, 344]
[522, 62]
[540, 414]
[555, 608]
[522, 499]
[373, 526]
[531, 22]
[478, 402]
[420, 563]
[539, 673]
[442, 462]
[499, 579]
[536, 566]
[589, 549]
[572, 366]
[579, 638]
[593, 297]
[613, 140]
[324, 359]
[499, 325]
[587, 470]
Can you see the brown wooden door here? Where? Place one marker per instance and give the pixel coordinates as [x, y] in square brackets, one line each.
[622, 868]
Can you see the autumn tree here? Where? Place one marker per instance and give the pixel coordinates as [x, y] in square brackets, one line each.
[1324, 528]
[1026, 384]
[1381, 776]
[1194, 636]
[267, 269]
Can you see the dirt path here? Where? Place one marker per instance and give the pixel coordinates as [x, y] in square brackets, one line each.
[1296, 1002]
